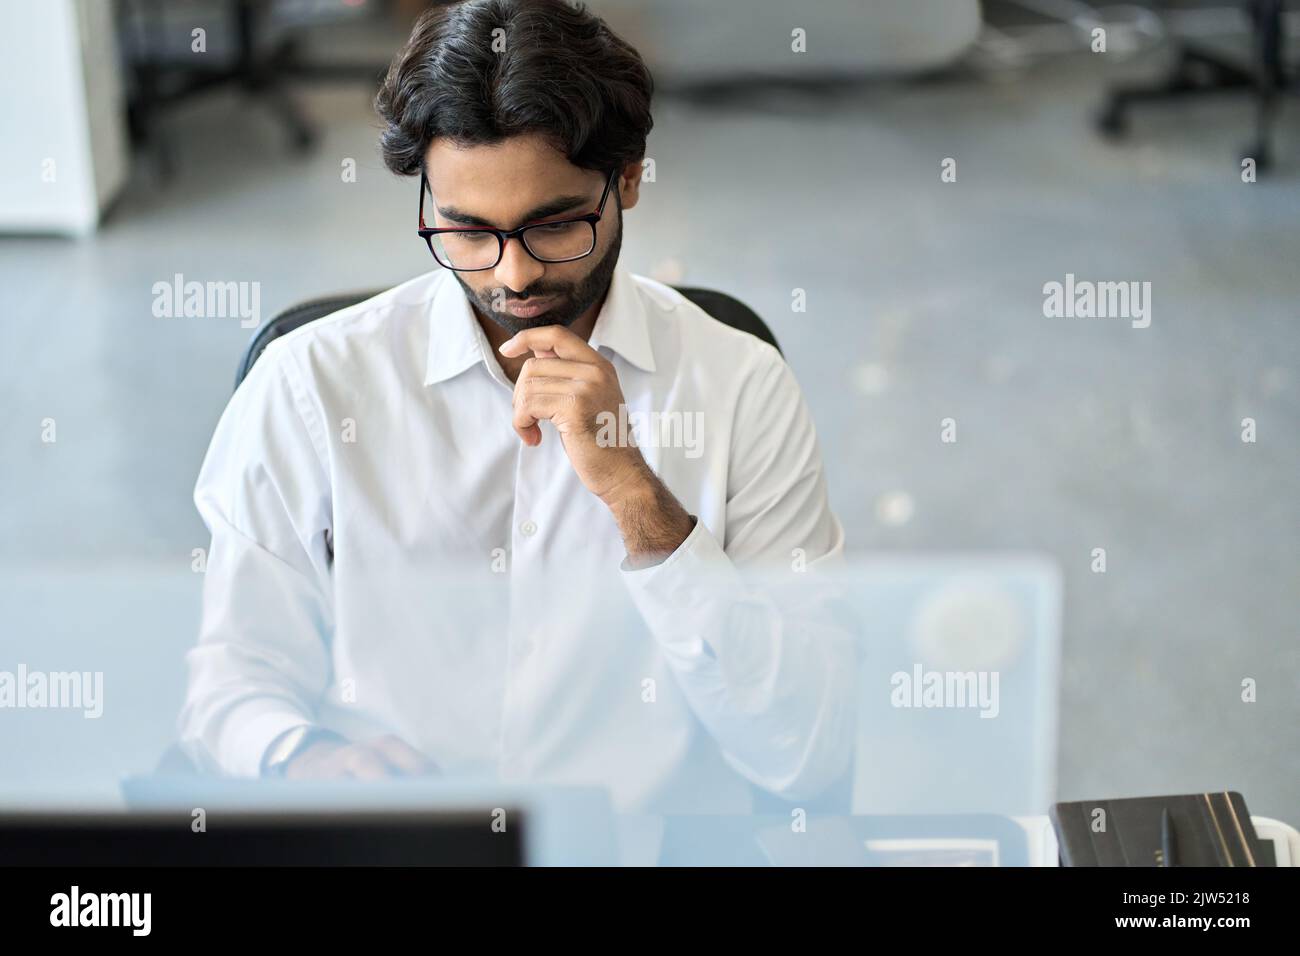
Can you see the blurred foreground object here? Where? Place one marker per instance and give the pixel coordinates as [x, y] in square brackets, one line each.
[1195, 829]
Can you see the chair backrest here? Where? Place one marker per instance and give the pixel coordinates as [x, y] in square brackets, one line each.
[724, 308]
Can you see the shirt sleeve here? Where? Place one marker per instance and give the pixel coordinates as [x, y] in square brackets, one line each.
[769, 670]
[262, 661]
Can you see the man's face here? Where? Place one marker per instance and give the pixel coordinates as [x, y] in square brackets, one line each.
[524, 179]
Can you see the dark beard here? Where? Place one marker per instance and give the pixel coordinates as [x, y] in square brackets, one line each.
[573, 300]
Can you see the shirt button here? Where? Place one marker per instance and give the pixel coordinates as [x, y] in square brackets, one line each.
[528, 528]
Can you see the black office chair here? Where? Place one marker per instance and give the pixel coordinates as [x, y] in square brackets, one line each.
[721, 306]
[1199, 71]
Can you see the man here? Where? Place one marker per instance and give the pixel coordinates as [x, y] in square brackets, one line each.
[437, 546]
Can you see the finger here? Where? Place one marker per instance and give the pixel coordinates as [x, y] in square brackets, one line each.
[366, 764]
[526, 388]
[533, 408]
[546, 385]
[403, 756]
[559, 368]
[541, 404]
[552, 338]
[524, 424]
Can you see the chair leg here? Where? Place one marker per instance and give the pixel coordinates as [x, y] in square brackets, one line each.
[302, 133]
[1196, 72]
[1200, 72]
[265, 76]
[1269, 77]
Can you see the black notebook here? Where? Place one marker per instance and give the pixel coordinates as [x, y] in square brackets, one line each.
[1197, 829]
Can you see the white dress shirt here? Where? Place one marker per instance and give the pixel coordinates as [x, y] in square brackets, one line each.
[388, 557]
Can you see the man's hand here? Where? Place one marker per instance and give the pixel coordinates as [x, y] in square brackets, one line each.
[570, 384]
[371, 759]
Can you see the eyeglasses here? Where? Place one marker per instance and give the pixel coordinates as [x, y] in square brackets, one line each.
[476, 248]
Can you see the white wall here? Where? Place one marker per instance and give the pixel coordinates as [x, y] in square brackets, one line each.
[63, 148]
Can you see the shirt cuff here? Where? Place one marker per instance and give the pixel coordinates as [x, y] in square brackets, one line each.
[253, 733]
[681, 598]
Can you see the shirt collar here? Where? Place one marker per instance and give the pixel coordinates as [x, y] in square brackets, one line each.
[456, 341]
[622, 324]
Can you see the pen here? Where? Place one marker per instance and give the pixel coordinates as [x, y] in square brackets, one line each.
[1168, 845]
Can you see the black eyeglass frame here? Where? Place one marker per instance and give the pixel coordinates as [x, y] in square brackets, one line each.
[427, 233]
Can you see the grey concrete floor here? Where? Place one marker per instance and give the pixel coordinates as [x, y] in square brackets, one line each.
[924, 302]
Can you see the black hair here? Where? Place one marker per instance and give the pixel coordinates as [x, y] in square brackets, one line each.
[556, 69]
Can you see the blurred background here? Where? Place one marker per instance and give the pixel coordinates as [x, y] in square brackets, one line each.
[920, 169]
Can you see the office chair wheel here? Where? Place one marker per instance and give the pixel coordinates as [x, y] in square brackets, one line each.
[303, 140]
[1113, 121]
[1261, 154]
